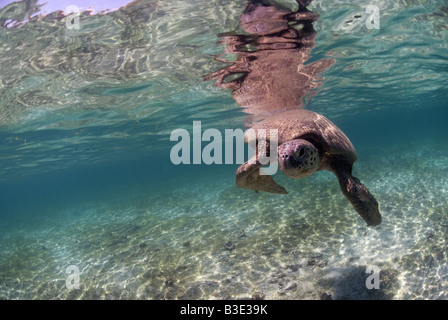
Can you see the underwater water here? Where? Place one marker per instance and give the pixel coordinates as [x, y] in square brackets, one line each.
[86, 177]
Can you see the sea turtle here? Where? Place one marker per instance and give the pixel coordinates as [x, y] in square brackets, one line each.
[308, 142]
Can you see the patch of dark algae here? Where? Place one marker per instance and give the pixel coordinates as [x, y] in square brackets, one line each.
[229, 245]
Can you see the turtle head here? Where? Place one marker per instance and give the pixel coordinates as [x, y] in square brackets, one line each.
[298, 158]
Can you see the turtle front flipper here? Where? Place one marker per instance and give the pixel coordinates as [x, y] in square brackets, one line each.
[361, 199]
[248, 177]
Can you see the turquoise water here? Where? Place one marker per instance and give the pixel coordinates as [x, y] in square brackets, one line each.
[86, 178]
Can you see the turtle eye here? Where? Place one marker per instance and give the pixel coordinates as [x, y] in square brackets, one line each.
[299, 153]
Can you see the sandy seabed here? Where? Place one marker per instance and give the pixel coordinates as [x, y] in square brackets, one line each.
[210, 240]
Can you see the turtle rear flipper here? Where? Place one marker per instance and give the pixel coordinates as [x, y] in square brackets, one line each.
[248, 177]
[360, 197]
